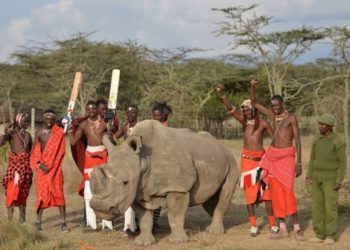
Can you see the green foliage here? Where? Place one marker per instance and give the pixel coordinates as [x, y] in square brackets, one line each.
[274, 51]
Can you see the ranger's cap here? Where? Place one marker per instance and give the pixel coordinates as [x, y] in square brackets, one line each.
[327, 119]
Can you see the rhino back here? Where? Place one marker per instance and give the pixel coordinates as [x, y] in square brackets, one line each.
[169, 167]
[183, 161]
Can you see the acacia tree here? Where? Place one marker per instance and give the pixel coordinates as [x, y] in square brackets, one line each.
[275, 52]
[9, 79]
[52, 66]
[188, 85]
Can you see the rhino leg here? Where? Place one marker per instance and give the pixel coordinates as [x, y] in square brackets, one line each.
[177, 204]
[223, 203]
[146, 221]
[210, 205]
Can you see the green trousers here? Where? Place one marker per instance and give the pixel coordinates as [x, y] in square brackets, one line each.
[324, 208]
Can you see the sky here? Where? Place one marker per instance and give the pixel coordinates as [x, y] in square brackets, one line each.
[155, 23]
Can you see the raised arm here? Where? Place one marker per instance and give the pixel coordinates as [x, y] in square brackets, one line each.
[119, 133]
[73, 139]
[257, 105]
[7, 135]
[296, 135]
[233, 111]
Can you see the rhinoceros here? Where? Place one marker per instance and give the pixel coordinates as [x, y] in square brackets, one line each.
[158, 166]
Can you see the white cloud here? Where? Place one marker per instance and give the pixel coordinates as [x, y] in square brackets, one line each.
[159, 23]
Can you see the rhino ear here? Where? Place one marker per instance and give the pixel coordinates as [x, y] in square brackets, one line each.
[135, 143]
[106, 140]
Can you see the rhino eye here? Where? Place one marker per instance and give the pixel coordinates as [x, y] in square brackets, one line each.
[125, 182]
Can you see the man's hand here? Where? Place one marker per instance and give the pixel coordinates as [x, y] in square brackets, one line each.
[9, 132]
[8, 126]
[109, 115]
[67, 120]
[308, 181]
[336, 186]
[254, 82]
[298, 169]
[43, 168]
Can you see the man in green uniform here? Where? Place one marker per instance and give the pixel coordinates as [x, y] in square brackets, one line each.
[325, 174]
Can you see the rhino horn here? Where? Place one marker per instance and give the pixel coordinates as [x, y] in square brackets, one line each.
[106, 140]
[135, 143]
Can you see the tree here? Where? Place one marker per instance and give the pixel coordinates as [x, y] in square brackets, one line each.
[340, 37]
[50, 70]
[9, 79]
[275, 52]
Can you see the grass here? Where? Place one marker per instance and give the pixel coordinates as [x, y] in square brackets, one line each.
[15, 236]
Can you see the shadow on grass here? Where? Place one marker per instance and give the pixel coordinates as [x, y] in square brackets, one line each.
[197, 219]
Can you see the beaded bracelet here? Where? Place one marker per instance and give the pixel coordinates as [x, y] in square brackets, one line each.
[233, 109]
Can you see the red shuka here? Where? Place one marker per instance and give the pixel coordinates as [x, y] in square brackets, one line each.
[49, 186]
[280, 166]
[92, 160]
[78, 150]
[251, 191]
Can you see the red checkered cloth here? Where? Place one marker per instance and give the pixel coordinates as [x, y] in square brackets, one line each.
[280, 163]
[49, 186]
[18, 163]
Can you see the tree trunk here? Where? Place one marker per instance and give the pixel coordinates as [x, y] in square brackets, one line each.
[346, 107]
[9, 103]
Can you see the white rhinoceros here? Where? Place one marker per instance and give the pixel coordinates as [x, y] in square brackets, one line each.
[165, 167]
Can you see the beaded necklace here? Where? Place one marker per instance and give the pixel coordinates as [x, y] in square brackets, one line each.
[24, 139]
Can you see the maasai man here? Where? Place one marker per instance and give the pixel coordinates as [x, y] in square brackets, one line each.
[166, 112]
[253, 129]
[131, 116]
[18, 177]
[279, 162]
[157, 112]
[96, 155]
[326, 172]
[46, 159]
[102, 109]
[130, 224]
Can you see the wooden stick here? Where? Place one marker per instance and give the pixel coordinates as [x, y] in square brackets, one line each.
[73, 96]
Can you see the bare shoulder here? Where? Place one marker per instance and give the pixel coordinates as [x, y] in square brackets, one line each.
[83, 124]
[27, 133]
[263, 122]
[292, 118]
[38, 133]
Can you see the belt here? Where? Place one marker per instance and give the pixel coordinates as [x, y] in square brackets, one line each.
[251, 157]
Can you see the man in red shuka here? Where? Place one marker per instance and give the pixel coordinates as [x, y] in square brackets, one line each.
[46, 159]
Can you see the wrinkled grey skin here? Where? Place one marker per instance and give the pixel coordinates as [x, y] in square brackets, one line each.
[165, 167]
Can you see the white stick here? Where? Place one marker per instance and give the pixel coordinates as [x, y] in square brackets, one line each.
[113, 92]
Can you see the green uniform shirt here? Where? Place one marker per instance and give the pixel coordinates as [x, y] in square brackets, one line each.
[327, 159]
